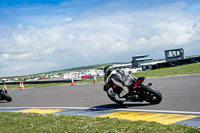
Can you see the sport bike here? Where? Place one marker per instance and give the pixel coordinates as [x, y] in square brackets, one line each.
[139, 93]
[4, 95]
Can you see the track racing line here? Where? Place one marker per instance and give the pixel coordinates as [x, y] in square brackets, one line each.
[161, 116]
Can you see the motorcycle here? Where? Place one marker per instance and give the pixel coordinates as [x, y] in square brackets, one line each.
[4, 95]
[139, 93]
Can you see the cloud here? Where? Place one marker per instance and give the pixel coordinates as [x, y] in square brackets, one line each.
[66, 20]
[94, 37]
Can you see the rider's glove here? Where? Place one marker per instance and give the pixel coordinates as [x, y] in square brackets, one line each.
[105, 86]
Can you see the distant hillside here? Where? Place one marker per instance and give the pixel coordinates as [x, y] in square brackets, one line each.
[68, 70]
[83, 68]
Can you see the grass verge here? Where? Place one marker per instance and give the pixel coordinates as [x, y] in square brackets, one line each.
[33, 85]
[31, 123]
[172, 71]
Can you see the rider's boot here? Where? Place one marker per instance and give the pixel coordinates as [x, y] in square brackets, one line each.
[115, 95]
[119, 98]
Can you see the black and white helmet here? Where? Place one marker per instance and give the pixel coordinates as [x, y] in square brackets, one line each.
[107, 71]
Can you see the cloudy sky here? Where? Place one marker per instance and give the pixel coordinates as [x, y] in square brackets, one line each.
[44, 35]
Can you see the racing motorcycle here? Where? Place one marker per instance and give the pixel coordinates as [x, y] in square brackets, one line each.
[4, 95]
[139, 93]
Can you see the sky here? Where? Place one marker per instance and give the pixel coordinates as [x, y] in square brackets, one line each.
[45, 35]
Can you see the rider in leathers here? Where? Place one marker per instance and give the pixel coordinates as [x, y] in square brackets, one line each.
[119, 78]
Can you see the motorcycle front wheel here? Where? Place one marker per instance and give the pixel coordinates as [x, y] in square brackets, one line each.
[151, 94]
[6, 97]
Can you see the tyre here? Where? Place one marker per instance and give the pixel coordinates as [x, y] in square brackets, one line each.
[151, 94]
[6, 97]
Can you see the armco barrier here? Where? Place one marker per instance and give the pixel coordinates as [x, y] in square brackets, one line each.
[37, 82]
[43, 81]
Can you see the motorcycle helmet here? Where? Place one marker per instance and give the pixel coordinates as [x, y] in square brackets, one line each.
[107, 71]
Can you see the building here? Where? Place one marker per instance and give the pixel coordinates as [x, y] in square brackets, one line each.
[171, 55]
[174, 55]
[140, 59]
[121, 66]
[151, 65]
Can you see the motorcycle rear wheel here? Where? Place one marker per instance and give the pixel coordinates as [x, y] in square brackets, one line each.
[151, 94]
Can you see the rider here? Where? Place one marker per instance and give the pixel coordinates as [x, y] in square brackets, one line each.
[118, 77]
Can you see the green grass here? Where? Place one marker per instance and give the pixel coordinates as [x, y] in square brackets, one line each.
[32, 123]
[171, 71]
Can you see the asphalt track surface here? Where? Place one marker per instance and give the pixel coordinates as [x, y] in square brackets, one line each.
[180, 93]
[180, 104]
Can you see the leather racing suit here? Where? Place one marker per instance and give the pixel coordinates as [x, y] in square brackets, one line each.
[119, 78]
